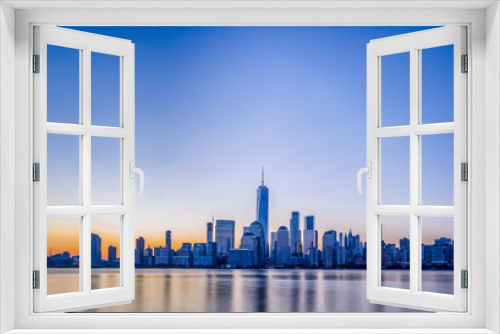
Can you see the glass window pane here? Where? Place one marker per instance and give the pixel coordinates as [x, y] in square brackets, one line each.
[437, 84]
[105, 251]
[63, 85]
[395, 89]
[63, 260]
[106, 171]
[105, 90]
[437, 254]
[395, 251]
[63, 170]
[395, 171]
[437, 169]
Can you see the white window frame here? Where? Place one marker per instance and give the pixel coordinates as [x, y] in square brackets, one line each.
[414, 43]
[86, 44]
[482, 19]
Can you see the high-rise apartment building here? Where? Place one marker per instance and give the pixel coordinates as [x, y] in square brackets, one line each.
[111, 253]
[282, 247]
[258, 231]
[224, 235]
[295, 232]
[96, 252]
[139, 251]
[168, 240]
[309, 222]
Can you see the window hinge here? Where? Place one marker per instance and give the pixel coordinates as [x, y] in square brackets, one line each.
[36, 63]
[36, 172]
[465, 279]
[464, 171]
[36, 279]
[465, 64]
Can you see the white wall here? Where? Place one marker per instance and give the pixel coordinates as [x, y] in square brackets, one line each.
[7, 159]
[492, 166]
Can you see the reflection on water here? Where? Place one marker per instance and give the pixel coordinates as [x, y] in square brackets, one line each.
[294, 290]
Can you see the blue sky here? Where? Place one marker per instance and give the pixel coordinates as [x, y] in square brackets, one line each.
[214, 104]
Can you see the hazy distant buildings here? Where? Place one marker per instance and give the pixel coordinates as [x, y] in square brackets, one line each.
[262, 214]
[95, 250]
[224, 236]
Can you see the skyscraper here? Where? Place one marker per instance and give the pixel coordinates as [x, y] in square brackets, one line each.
[309, 222]
[294, 232]
[263, 211]
[111, 253]
[139, 249]
[210, 232]
[168, 241]
[282, 247]
[258, 231]
[224, 236]
[329, 241]
[96, 253]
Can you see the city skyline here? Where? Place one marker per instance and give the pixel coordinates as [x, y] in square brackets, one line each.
[227, 101]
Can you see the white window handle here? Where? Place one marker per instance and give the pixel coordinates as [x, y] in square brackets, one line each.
[368, 171]
[132, 171]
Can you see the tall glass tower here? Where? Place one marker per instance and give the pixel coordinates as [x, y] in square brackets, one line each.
[263, 211]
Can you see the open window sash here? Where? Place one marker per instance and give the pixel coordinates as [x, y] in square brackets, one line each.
[85, 297]
[414, 43]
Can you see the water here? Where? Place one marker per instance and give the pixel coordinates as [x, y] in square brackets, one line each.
[213, 290]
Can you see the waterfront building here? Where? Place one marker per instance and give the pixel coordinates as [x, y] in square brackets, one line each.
[295, 237]
[249, 241]
[224, 235]
[329, 243]
[184, 256]
[210, 232]
[258, 231]
[240, 258]
[308, 237]
[274, 239]
[282, 247]
[205, 255]
[95, 250]
[168, 241]
[161, 256]
[262, 214]
[111, 254]
[148, 257]
[139, 251]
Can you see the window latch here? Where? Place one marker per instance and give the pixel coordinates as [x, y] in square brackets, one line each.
[132, 171]
[368, 171]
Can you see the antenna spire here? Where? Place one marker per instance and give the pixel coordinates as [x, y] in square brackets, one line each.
[262, 175]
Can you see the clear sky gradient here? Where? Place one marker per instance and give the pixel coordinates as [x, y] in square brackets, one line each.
[214, 104]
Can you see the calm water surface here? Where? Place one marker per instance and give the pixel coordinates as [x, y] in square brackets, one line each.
[271, 290]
